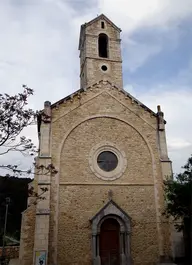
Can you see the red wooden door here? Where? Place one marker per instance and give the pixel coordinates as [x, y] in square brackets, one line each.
[109, 242]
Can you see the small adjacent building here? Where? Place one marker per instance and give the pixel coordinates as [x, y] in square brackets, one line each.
[105, 204]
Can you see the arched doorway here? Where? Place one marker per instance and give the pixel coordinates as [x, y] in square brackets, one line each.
[111, 230]
[110, 242]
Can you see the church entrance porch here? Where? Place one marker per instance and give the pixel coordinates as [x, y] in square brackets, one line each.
[110, 242]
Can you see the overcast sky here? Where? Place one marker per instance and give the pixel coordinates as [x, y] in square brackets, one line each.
[39, 47]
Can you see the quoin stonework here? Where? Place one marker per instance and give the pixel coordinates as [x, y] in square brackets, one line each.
[105, 204]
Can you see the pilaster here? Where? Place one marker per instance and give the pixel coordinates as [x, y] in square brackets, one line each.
[41, 238]
[165, 161]
[166, 168]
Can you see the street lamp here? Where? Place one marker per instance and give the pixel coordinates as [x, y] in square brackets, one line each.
[3, 260]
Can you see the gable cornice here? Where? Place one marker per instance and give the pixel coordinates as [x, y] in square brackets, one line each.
[106, 206]
[79, 92]
[102, 16]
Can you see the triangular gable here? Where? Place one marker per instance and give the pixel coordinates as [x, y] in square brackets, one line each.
[102, 17]
[112, 211]
[110, 208]
[76, 93]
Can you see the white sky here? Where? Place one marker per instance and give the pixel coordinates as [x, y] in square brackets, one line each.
[39, 41]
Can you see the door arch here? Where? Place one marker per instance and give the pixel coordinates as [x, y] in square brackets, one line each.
[109, 245]
[121, 223]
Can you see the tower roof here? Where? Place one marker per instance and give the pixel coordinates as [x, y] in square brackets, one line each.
[100, 17]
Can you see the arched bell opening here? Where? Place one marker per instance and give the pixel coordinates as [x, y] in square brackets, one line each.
[103, 45]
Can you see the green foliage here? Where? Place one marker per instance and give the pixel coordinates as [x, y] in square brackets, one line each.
[15, 116]
[178, 194]
[17, 190]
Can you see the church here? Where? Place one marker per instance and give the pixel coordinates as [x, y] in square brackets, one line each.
[104, 205]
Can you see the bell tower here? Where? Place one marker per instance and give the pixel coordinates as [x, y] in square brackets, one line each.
[100, 52]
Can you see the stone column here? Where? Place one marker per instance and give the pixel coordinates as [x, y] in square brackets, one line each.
[94, 246]
[98, 259]
[122, 248]
[165, 161]
[41, 237]
[166, 168]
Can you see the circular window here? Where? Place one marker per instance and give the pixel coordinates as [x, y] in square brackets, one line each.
[107, 161]
[104, 67]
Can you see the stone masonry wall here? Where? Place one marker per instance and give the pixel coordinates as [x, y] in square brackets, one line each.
[27, 236]
[113, 73]
[91, 62]
[11, 251]
[79, 203]
[134, 191]
[95, 27]
[105, 114]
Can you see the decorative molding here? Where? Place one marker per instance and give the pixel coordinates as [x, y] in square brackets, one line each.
[156, 191]
[105, 184]
[44, 157]
[112, 211]
[111, 147]
[44, 183]
[166, 160]
[115, 117]
[106, 59]
[42, 211]
[134, 100]
[120, 102]
[104, 72]
[105, 32]
[100, 17]
[85, 91]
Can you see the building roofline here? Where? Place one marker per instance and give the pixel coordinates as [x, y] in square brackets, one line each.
[102, 16]
[79, 91]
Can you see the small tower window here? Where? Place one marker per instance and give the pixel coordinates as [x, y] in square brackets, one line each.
[103, 45]
[102, 25]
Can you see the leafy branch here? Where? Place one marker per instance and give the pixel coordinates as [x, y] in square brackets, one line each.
[14, 118]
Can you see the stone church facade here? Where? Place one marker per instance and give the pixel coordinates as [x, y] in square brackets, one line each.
[105, 204]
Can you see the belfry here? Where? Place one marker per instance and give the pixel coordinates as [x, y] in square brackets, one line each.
[104, 206]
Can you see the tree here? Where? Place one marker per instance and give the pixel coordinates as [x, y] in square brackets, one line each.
[17, 190]
[178, 196]
[14, 118]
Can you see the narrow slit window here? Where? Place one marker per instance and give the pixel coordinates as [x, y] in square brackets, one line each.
[103, 45]
[102, 25]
